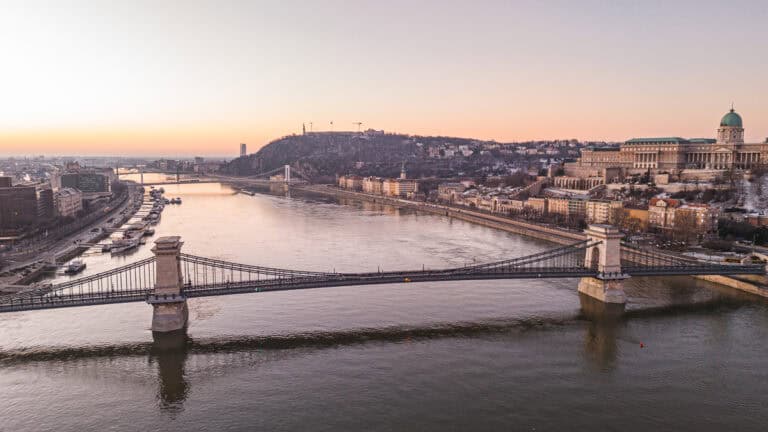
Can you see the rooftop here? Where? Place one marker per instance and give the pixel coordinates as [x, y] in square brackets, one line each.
[676, 140]
[731, 119]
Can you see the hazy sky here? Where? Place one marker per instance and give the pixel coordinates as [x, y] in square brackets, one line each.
[199, 77]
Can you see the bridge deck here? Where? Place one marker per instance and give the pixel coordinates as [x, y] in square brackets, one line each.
[204, 277]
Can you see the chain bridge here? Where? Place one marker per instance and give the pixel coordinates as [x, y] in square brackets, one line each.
[170, 277]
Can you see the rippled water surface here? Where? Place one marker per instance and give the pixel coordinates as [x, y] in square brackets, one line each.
[483, 355]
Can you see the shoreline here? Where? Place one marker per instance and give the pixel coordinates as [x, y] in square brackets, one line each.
[542, 232]
[38, 267]
[554, 235]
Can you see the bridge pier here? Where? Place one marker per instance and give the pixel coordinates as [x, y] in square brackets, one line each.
[605, 257]
[169, 305]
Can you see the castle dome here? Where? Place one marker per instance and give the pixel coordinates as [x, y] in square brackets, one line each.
[731, 119]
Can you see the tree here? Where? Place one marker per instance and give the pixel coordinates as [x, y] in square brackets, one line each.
[618, 217]
[685, 225]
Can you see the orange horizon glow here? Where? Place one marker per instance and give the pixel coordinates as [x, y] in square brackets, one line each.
[179, 79]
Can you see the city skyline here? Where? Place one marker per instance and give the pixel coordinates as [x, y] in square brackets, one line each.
[183, 79]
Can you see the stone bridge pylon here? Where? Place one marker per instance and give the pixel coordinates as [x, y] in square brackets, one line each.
[169, 303]
[605, 257]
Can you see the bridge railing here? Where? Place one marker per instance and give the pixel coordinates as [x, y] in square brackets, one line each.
[637, 261]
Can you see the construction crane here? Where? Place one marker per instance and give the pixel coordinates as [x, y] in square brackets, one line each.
[358, 125]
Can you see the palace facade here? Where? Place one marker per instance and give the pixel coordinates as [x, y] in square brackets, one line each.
[674, 154]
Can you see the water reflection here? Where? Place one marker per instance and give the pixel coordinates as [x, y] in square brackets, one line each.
[601, 333]
[601, 328]
[169, 351]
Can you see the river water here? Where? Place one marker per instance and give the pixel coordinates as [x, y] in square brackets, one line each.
[489, 355]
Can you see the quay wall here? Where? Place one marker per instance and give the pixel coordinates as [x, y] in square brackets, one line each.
[555, 235]
[551, 234]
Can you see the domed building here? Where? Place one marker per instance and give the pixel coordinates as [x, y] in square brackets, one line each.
[731, 129]
[702, 158]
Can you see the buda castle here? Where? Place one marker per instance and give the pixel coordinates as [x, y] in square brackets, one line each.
[698, 157]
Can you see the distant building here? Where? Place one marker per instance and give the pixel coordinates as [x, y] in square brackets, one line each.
[18, 207]
[406, 188]
[671, 213]
[602, 211]
[351, 182]
[373, 185]
[537, 205]
[516, 205]
[664, 154]
[354, 183]
[703, 216]
[69, 202]
[756, 219]
[449, 191]
[661, 212]
[558, 206]
[577, 183]
[46, 203]
[243, 150]
[6, 182]
[86, 182]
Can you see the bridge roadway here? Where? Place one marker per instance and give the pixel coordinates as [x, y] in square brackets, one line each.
[50, 298]
[242, 181]
[170, 277]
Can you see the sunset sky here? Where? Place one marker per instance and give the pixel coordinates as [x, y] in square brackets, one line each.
[199, 77]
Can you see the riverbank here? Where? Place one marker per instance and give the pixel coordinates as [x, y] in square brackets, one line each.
[543, 232]
[26, 269]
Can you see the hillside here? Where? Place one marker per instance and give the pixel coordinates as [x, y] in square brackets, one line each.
[323, 155]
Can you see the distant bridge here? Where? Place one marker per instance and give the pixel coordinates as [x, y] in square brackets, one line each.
[169, 278]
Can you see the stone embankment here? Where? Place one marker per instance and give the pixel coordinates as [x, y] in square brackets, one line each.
[539, 231]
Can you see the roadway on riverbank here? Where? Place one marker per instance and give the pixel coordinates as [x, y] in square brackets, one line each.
[755, 286]
[67, 246]
[545, 232]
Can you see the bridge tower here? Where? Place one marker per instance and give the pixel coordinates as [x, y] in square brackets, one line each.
[287, 175]
[170, 306]
[605, 258]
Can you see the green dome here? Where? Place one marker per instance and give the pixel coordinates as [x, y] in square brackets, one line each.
[731, 119]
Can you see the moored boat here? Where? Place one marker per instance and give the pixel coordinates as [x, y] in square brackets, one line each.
[75, 267]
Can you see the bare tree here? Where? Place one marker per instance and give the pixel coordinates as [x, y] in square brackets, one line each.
[685, 227]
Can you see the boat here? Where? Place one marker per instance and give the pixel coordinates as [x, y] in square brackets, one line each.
[122, 246]
[75, 267]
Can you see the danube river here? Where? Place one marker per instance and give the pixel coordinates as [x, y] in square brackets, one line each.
[489, 355]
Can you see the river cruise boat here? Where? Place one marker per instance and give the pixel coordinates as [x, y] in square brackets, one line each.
[123, 246]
